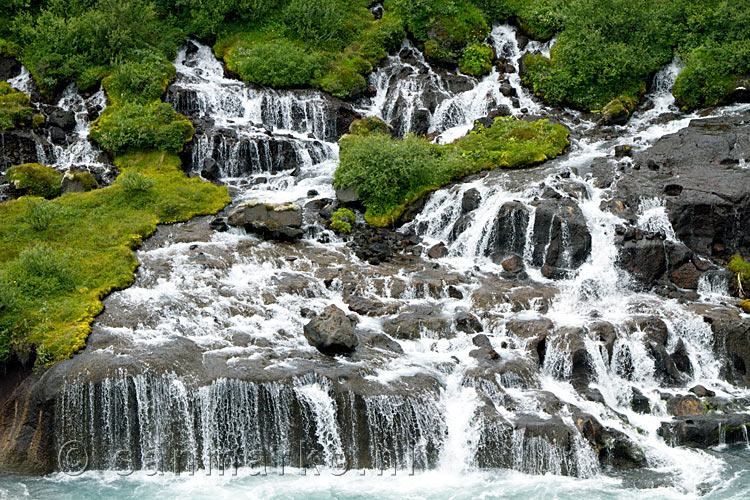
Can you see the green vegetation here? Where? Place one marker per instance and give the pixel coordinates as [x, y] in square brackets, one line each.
[477, 60]
[34, 179]
[370, 125]
[741, 269]
[15, 107]
[607, 50]
[134, 126]
[330, 45]
[86, 180]
[342, 220]
[389, 174]
[59, 258]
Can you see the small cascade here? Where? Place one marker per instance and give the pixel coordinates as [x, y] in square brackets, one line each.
[269, 137]
[23, 82]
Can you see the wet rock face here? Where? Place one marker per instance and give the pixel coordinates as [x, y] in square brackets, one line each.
[680, 166]
[512, 221]
[9, 68]
[561, 235]
[273, 221]
[705, 431]
[731, 333]
[332, 332]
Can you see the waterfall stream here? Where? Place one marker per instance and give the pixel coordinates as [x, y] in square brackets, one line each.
[247, 386]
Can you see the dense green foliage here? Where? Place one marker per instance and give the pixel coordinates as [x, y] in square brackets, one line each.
[34, 179]
[342, 220]
[476, 60]
[133, 126]
[608, 49]
[370, 125]
[389, 174]
[15, 107]
[58, 258]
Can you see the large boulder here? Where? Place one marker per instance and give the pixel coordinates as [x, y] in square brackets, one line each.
[561, 235]
[274, 221]
[705, 431]
[697, 172]
[332, 332]
[510, 229]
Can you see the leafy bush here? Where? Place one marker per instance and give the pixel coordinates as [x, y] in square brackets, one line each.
[40, 271]
[278, 63]
[389, 174]
[342, 220]
[34, 179]
[40, 214]
[322, 22]
[141, 81]
[71, 39]
[137, 126]
[476, 60]
[15, 107]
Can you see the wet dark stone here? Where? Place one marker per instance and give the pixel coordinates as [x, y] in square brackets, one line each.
[467, 322]
[437, 251]
[471, 200]
[702, 392]
[639, 402]
[331, 332]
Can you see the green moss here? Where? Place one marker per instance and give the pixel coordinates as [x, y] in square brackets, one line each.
[476, 60]
[342, 220]
[15, 107]
[745, 305]
[389, 174]
[86, 179]
[741, 269]
[53, 280]
[370, 125]
[34, 179]
[38, 120]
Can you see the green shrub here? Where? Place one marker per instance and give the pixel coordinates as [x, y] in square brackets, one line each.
[389, 174]
[137, 126]
[278, 63]
[342, 220]
[15, 107]
[141, 81]
[476, 60]
[135, 184]
[40, 214]
[34, 179]
[40, 271]
[321, 22]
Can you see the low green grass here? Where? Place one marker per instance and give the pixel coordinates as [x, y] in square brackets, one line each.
[741, 269]
[59, 258]
[389, 173]
[15, 107]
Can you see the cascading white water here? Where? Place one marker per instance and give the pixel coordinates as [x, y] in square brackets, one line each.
[242, 304]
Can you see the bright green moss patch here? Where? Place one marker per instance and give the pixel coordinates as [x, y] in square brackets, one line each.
[389, 174]
[34, 179]
[342, 220]
[133, 126]
[54, 274]
[15, 107]
[476, 60]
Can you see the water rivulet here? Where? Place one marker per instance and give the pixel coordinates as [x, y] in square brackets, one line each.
[577, 322]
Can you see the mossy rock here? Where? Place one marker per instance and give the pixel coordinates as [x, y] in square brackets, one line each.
[745, 305]
[78, 182]
[617, 111]
[33, 179]
[15, 107]
[370, 125]
[342, 220]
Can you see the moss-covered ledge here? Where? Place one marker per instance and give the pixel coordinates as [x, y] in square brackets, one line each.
[388, 174]
[60, 257]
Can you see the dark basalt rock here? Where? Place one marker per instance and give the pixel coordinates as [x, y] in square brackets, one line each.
[561, 235]
[703, 431]
[639, 402]
[64, 119]
[9, 68]
[470, 200]
[410, 324]
[510, 228]
[710, 221]
[467, 322]
[332, 332]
